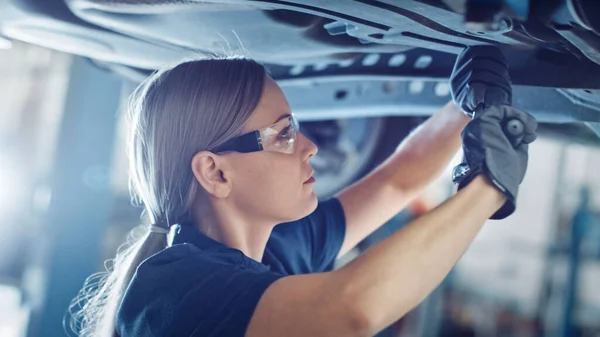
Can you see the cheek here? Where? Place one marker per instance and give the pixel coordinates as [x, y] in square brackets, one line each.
[272, 186]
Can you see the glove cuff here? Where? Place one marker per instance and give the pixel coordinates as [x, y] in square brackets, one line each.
[511, 195]
[465, 179]
[507, 209]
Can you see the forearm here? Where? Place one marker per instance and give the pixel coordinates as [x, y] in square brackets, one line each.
[387, 190]
[426, 152]
[392, 277]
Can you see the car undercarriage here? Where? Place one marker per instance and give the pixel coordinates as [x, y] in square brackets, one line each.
[342, 60]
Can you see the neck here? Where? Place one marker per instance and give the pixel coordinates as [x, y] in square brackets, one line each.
[233, 229]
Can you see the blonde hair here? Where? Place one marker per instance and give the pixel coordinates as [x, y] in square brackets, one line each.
[175, 113]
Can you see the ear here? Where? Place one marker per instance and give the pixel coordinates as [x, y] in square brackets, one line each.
[211, 172]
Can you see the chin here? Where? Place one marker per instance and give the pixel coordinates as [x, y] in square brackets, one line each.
[314, 202]
[307, 206]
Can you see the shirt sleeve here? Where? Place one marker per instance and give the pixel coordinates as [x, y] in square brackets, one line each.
[311, 244]
[222, 303]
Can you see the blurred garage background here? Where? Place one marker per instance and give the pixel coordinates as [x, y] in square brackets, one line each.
[65, 209]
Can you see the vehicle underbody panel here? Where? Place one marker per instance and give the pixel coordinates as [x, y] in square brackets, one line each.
[549, 44]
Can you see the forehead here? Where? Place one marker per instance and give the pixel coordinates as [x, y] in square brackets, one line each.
[271, 107]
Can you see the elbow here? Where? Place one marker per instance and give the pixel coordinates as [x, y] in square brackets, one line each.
[365, 322]
[361, 324]
[365, 314]
[359, 318]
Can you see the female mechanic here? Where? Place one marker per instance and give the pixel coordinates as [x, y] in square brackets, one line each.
[218, 161]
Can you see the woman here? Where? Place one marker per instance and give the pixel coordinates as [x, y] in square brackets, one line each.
[217, 158]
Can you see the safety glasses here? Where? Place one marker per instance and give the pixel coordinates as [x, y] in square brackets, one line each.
[278, 137]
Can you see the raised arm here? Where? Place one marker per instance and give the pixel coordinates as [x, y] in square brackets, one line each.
[420, 159]
[384, 283]
[392, 277]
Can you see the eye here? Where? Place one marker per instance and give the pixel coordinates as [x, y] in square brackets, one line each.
[285, 134]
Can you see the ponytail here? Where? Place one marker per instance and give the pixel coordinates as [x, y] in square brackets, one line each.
[93, 311]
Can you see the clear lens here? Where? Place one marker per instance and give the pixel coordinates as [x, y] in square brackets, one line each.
[281, 136]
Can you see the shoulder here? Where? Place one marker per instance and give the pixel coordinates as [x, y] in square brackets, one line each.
[185, 266]
[182, 288]
[179, 263]
[180, 258]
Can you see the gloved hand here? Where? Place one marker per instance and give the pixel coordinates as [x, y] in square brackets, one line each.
[480, 79]
[489, 151]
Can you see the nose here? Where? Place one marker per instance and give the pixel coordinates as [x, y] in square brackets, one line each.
[307, 148]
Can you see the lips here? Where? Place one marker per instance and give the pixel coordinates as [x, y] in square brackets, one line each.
[311, 179]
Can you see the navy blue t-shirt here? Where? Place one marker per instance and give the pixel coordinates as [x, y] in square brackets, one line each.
[200, 287]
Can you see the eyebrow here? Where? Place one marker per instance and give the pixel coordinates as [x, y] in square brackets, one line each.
[282, 117]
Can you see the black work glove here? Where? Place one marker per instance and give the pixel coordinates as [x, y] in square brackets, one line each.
[480, 79]
[489, 151]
